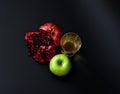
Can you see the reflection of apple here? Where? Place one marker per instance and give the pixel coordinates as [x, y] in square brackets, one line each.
[53, 30]
[60, 65]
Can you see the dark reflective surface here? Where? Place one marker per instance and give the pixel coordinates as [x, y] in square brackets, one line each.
[95, 68]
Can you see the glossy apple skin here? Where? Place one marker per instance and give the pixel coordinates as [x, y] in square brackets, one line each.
[60, 65]
[53, 30]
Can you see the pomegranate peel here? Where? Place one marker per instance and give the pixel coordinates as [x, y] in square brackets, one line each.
[40, 46]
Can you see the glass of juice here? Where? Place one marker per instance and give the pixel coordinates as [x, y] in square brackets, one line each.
[70, 43]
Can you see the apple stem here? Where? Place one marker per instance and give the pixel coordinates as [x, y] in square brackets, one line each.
[60, 63]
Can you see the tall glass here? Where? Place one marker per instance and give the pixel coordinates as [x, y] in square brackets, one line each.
[70, 43]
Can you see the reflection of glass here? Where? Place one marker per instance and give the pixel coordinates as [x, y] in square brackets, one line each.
[70, 43]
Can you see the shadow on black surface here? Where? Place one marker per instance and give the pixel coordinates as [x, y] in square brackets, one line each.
[78, 66]
[80, 76]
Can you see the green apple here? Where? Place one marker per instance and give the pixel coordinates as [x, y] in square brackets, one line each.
[60, 65]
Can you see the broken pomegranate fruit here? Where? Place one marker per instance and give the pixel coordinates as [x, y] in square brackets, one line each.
[54, 31]
[40, 45]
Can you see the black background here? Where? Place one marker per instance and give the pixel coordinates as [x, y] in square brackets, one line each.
[96, 67]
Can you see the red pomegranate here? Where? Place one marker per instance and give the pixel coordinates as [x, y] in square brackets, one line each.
[40, 45]
[53, 30]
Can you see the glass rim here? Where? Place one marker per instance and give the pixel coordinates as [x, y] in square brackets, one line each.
[70, 33]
